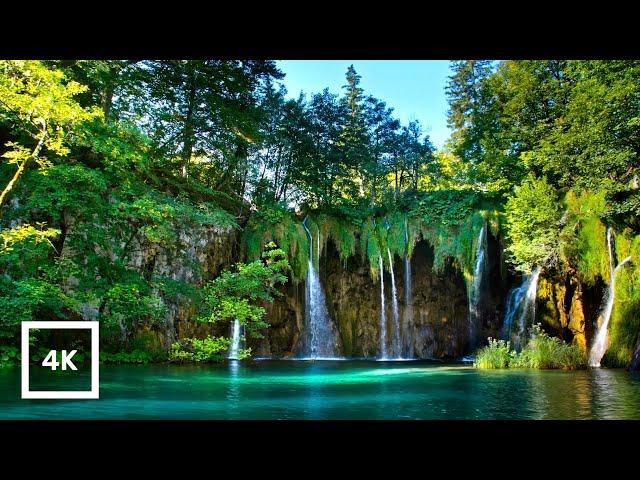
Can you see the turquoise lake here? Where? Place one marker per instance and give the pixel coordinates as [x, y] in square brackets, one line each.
[271, 389]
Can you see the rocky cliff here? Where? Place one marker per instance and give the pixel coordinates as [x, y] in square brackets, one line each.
[437, 327]
[200, 255]
[434, 326]
[567, 308]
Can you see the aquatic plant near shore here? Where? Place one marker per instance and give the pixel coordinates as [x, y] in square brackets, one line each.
[541, 352]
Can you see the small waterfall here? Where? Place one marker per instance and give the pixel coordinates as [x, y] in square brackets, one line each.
[408, 309]
[601, 341]
[521, 301]
[397, 349]
[321, 337]
[236, 334]
[408, 299]
[479, 273]
[383, 317]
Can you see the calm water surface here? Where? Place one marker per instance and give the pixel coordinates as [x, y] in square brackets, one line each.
[336, 390]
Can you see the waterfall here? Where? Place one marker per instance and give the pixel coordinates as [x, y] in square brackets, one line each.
[236, 334]
[383, 317]
[408, 308]
[479, 272]
[600, 343]
[397, 349]
[408, 299]
[321, 337]
[521, 301]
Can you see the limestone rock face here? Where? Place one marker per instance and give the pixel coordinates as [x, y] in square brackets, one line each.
[567, 308]
[438, 328]
[200, 255]
[286, 323]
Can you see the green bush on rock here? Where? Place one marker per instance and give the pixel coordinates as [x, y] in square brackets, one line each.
[496, 355]
[210, 349]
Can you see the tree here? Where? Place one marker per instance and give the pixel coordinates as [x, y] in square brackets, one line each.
[237, 295]
[533, 215]
[382, 131]
[201, 109]
[42, 109]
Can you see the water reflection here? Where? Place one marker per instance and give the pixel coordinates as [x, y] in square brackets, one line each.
[339, 390]
[233, 388]
[554, 398]
[314, 409]
[616, 396]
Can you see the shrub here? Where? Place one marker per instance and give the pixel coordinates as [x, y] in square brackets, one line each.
[210, 349]
[541, 352]
[546, 352]
[495, 355]
[9, 355]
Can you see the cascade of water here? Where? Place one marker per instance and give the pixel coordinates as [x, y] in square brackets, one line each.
[397, 349]
[383, 317]
[601, 341]
[408, 299]
[479, 272]
[321, 337]
[529, 308]
[236, 334]
[521, 301]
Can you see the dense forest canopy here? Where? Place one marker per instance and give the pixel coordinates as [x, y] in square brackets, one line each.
[98, 155]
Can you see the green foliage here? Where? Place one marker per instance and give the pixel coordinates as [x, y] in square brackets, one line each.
[237, 295]
[162, 217]
[40, 107]
[541, 352]
[496, 355]
[624, 326]
[273, 223]
[16, 237]
[209, 349]
[532, 215]
[9, 356]
[130, 304]
[341, 232]
[55, 192]
[583, 238]
[370, 246]
[450, 220]
[32, 299]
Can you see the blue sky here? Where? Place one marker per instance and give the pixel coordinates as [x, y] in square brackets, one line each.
[414, 88]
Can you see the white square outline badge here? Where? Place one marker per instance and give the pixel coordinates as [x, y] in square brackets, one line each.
[95, 361]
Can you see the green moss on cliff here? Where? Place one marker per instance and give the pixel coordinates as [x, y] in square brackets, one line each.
[625, 318]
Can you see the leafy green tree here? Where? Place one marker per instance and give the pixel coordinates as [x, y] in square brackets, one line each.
[384, 149]
[41, 107]
[238, 295]
[533, 215]
[201, 110]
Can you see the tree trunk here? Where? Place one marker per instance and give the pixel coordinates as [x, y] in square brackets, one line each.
[188, 140]
[107, 99]
[22, 166]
